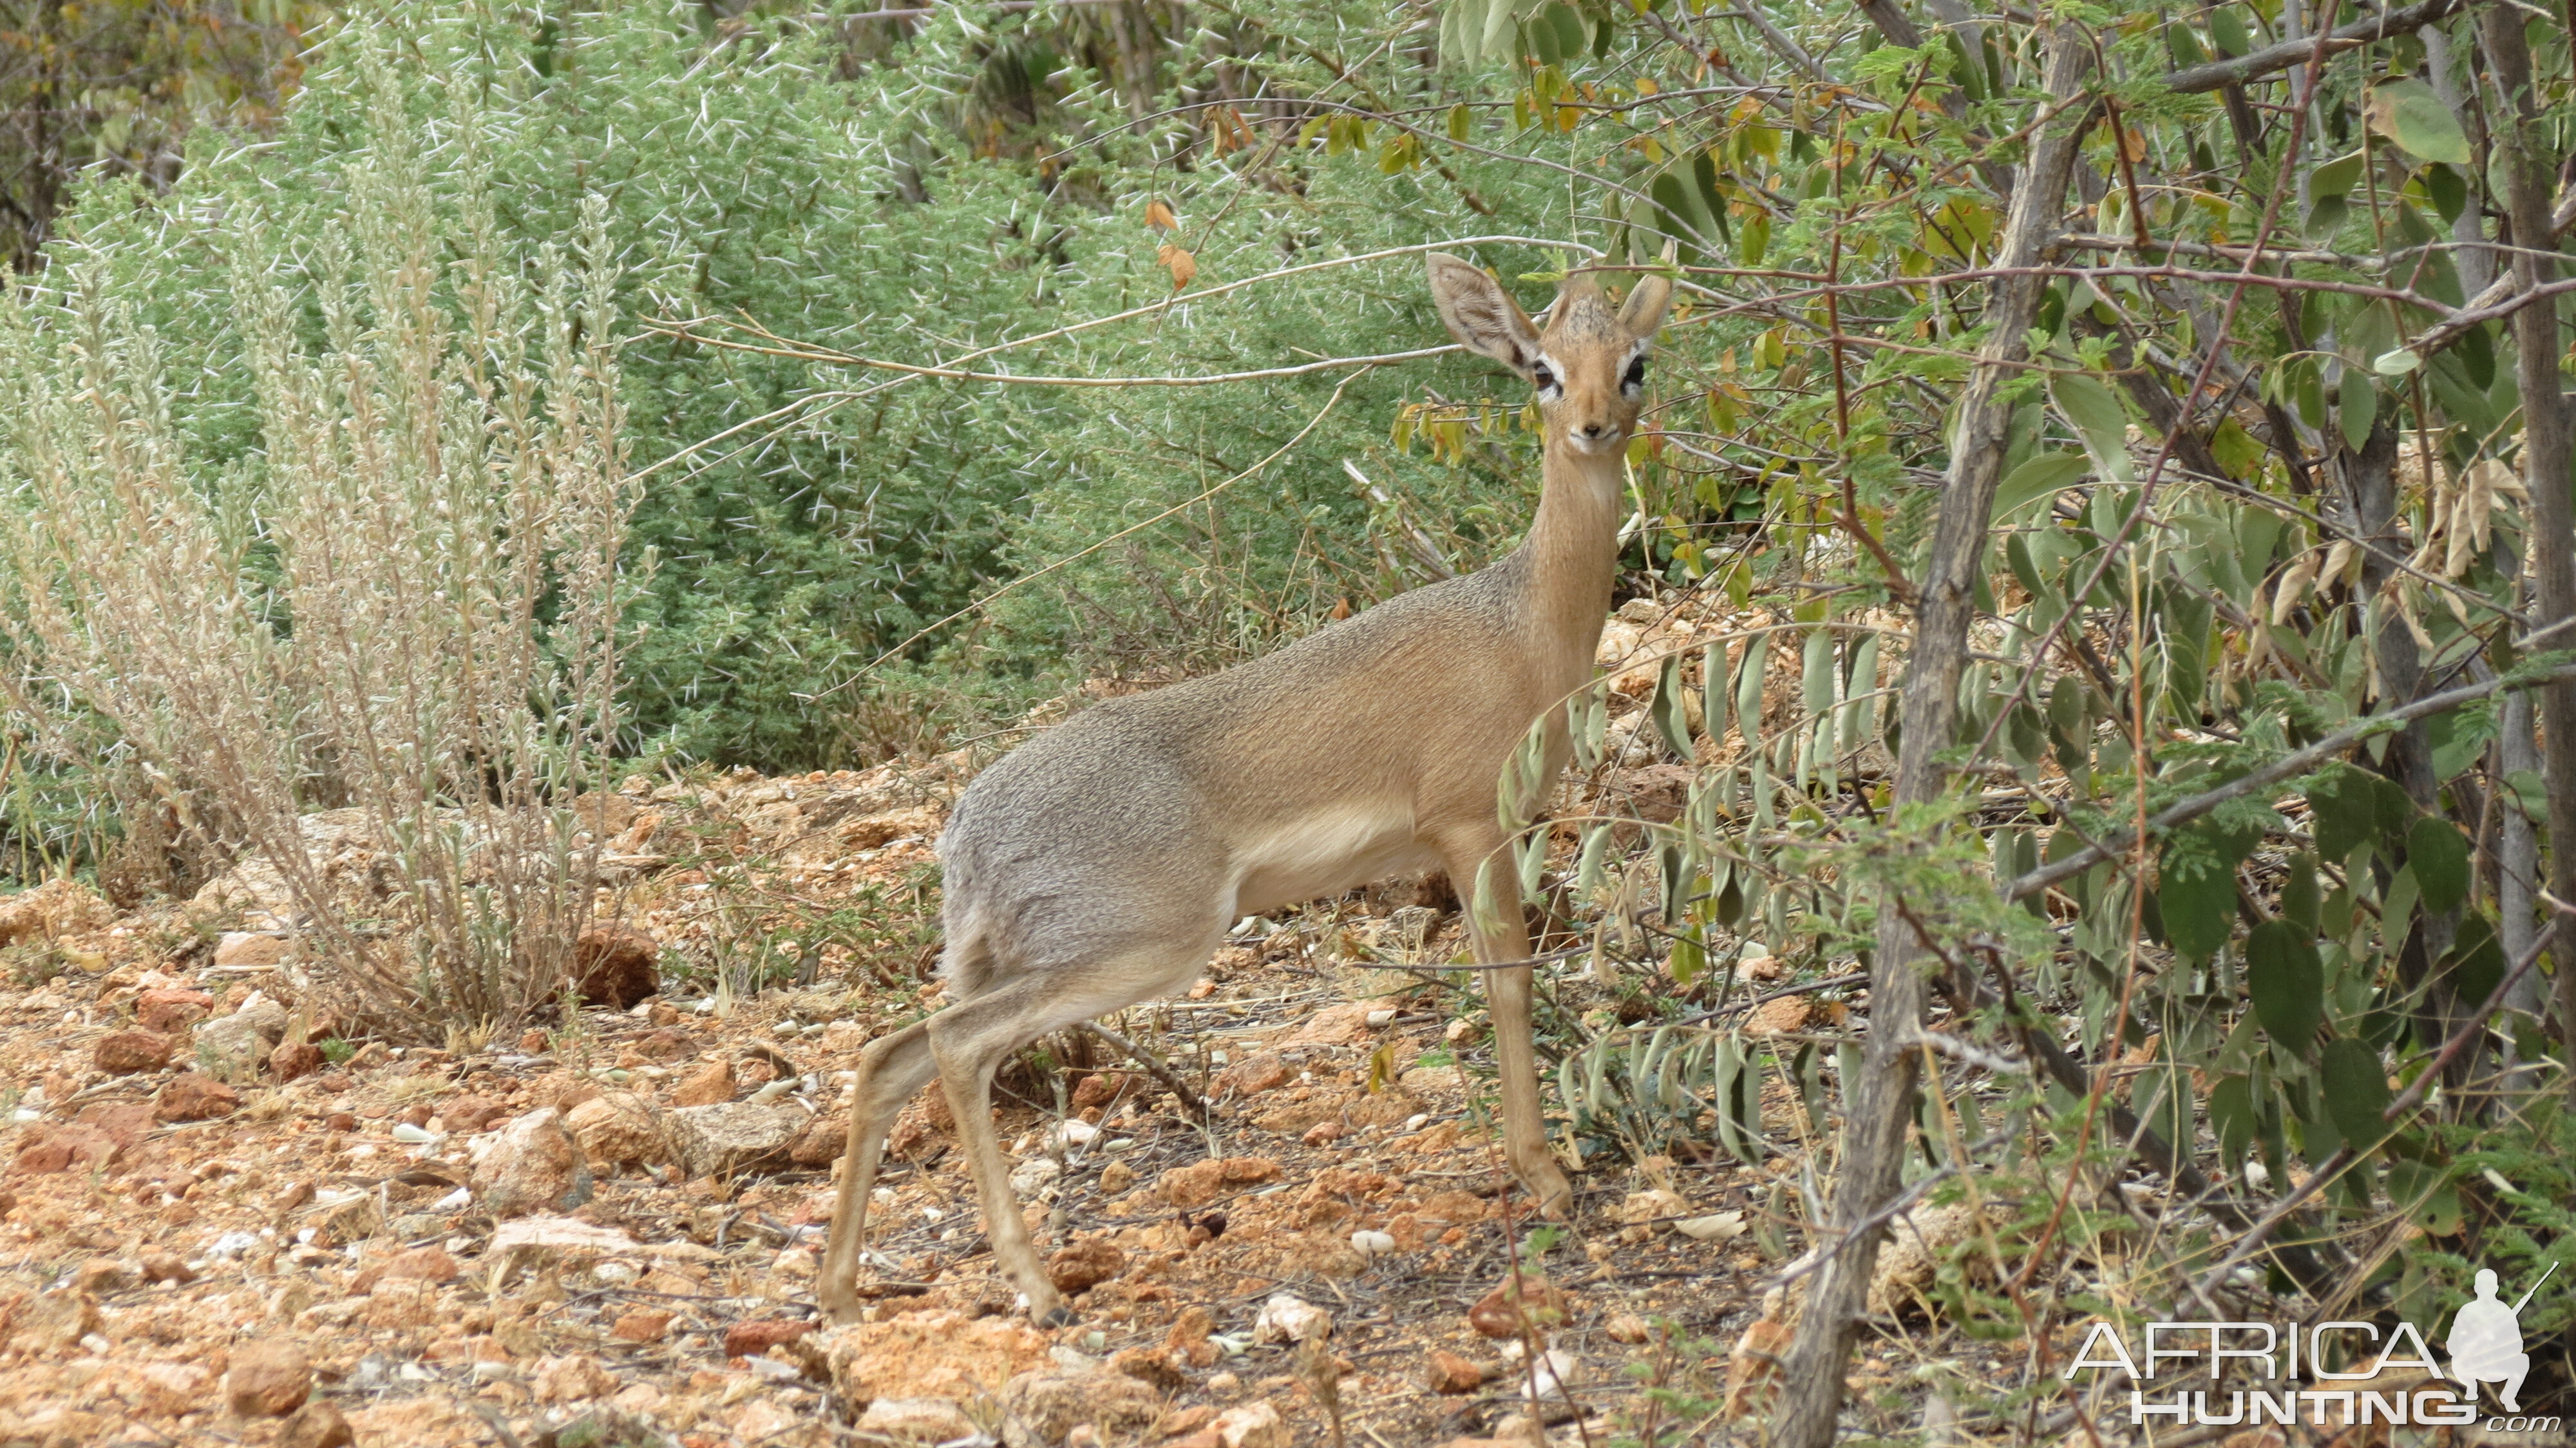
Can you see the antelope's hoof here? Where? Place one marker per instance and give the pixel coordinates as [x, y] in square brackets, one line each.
[1056, 1316]
[1554, 1194]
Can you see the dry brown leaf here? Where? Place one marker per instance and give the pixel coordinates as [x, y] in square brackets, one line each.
[1159, 215]
[1182, 265]
[1228, 131]
[2294, 586]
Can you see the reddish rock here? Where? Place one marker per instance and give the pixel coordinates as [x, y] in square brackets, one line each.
[102, 1275]
[1789, 1013]
[1081, 1266]
[467, 1114]
[126, 1052]
[643, 1325]
[710, 1085]
[63, 1148]
[166, 1011]
[571, 1379]
[915, 1140]
[268, 1379]
[1200, 1183]
[933, 1102]
[1254, 1074]
[1189, 1336]
[562, 1090]
[1148, 1365]
[293, 1060]
[613, 966]
[1254, 1425]
[535, 1166]
[317, 1425]
[195, 1097]
[422, 1264]
[931, 1353]
[1099, 1090]
[125, 1124]
[1505, 1313]
[823, 1141]
[619, 1128]
[758, 1336]
[1453, 1374]
[56, 1321]
[167, 1267]
[248, 948]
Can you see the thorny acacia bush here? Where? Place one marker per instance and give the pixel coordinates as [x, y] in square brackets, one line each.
[2266, 563]
[402, 601]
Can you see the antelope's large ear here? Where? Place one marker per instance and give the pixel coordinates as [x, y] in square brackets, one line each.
[1481, 315]
[1643, 315]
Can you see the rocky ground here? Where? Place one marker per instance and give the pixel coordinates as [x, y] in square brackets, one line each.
[220, 1225]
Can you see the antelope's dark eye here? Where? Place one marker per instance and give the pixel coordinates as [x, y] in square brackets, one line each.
[1636, 377]
[1541, 378]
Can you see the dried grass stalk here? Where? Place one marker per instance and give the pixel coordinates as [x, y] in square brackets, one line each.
[406, 601]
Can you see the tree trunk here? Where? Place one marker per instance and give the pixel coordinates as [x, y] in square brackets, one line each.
[1879, 1107]
[2520, 157]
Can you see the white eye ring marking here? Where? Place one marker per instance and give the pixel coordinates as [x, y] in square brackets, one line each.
[1548, 377]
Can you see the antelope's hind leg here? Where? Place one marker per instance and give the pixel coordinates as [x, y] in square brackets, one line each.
[970, 1039]
[891, 1068]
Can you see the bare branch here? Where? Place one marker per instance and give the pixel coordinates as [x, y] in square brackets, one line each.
[2198, 78]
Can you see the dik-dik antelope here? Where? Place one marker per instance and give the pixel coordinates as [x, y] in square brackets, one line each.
[1100, 864]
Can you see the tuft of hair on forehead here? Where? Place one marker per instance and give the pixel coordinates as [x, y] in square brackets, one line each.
[1583, 311]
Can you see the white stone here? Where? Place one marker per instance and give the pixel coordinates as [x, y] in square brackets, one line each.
[1287, 1317]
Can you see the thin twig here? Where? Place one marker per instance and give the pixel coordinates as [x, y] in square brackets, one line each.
[2286, 767]
[1155, 1066]
[926, 630]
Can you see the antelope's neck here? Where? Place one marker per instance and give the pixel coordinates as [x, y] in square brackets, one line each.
[1573, 553]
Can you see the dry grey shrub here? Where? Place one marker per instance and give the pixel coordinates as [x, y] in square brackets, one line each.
[405, 602]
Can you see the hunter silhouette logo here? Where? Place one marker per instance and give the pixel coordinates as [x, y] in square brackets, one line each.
[2326, 1373]
[2486, 1341]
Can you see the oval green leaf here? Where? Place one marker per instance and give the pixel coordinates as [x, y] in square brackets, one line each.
[2440, 855]
[2356, 1091]
[2197, 899]
[2287, 979]
[2044, 476]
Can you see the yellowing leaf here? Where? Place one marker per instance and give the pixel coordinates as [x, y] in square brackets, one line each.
[2409, 113]
[1181, 264]
[1159, 215]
